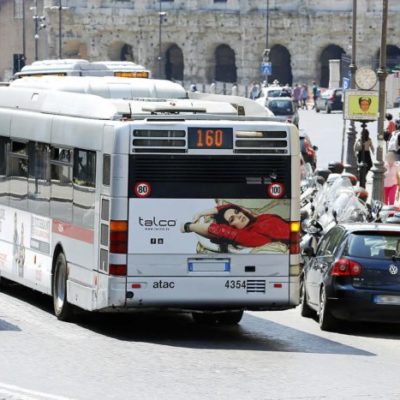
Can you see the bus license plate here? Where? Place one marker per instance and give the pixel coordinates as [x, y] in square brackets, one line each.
[209, 265]
[387, 300]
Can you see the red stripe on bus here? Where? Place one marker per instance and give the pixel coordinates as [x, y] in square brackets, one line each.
[73, 231]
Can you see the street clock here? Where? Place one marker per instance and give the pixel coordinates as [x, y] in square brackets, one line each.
[365, 78]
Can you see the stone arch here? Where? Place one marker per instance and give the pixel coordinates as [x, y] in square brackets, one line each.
[174, 63]
[392, 57]
[120, 51]
[225, 64]
[281, 65]
[330, 52]
[74, 49]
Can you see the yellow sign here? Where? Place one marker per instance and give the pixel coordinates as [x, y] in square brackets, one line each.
[132, 74]
[361, 105]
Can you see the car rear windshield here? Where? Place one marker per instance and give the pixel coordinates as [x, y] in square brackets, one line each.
[281, 107]
[274, 93]
[379, 245]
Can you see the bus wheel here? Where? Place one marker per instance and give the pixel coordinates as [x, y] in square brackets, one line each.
[230, 317]
[62, 309]
[204, 318]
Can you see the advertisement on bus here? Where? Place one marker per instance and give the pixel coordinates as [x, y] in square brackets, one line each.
[190, 226]
[20, 234]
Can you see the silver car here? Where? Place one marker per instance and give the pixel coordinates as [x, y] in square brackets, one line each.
[284, 109]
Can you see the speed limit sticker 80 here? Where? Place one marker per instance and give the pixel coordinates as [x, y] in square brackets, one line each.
[142, 189]
[276, 190]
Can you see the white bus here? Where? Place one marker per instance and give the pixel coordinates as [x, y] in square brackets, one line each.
[107, 86]
[80, 67]
[112, 205]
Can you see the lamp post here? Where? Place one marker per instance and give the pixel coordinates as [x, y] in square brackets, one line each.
[60, 29]
[60, 9]
[161, 15]
[266, 64]
[351, 162]
[39, 25]
[379, 168]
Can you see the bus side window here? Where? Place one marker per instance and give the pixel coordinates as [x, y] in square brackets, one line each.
[17, 175]
[61, 196]
[4, 144]
[84, 182]
[39, 179]
[106, 169]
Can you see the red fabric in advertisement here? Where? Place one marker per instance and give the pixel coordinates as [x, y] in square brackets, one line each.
[267, 228]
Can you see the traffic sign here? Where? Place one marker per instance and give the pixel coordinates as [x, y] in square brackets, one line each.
[346, 83]
[266, 68]
[276, 190]
[142, 189]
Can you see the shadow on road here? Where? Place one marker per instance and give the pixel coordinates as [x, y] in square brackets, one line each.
[179, 330]
[6, 326]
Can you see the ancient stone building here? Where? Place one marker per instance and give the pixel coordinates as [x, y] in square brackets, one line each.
[205, 40]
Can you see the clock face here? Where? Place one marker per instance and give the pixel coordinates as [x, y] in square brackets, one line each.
[365, 78]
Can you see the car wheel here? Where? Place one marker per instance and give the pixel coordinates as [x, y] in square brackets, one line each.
[327, 322]
[317, 109]
[305, 310]
[328, 109]
[62, 309]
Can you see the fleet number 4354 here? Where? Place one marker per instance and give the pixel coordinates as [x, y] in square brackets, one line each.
[235, 284]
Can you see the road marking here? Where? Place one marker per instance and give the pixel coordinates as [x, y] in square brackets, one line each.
[26, 394]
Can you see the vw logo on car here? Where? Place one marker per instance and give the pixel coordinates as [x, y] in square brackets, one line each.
[393, 269]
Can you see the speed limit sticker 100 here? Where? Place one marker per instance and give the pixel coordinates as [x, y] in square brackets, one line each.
[276, 190]
[142, 189]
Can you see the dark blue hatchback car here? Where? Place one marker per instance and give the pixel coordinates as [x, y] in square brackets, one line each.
[354, 275]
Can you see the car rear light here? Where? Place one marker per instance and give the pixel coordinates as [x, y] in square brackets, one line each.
[294, 237]
[117, 269]
[119, 237]
[345, 267]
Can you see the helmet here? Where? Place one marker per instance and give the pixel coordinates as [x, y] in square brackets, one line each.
[336, 167]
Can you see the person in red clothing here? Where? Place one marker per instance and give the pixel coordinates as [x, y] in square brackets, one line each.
[235, 225]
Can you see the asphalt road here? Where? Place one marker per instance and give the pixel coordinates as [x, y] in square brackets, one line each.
[271, 355]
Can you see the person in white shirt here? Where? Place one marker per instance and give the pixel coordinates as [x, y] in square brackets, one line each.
[392, 178]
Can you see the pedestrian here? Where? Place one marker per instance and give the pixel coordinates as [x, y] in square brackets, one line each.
[234, 89]
[315, 92]
[296, 95]
[394, 141]
[254, 91]
[193, 87]
[304, 97]
[213, 88]
[363, 148]
[390, 127]
[392, 178]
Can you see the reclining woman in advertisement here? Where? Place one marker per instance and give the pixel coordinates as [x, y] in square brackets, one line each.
[232, 224]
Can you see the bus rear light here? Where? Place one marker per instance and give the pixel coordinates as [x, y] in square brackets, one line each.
[119, 237]
[295, 237]
[117, 269]
[278, 285]
[136, 286]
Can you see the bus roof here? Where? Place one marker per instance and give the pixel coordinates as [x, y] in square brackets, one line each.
[64, 66]
[107, 87]
[58, 102]
[121, 65]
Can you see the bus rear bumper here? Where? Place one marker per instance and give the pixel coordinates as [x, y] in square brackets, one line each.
[204, 293]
